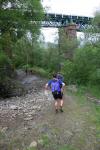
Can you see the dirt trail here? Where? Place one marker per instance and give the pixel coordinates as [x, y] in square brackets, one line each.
[31, 118]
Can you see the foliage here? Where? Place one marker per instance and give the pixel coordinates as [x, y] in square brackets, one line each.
[17, 23]
[87, 62]
[96, 21]
[10, 87]
[16, 18]
[22, 52]
[92, 33]
[67, 71]
[22, 49]
[17, 14]
[40, 71]
[53, 59]
[5, 64]
[4, 60]
[94, 90]
[67, 147]
[94, 117]
[30, 53]
[46, 140]
[32, 148]
[84, 65]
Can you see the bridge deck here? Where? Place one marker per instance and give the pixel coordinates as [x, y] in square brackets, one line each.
[60, 20]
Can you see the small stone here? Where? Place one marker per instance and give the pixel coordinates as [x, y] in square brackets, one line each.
[13, 107]
[27, 119]
[4, 129]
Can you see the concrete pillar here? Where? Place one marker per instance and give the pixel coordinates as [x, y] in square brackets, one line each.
[71, 31]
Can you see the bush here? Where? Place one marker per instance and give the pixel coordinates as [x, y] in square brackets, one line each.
[5, 66]
[95, 77]
[87, 63]
[40, 71]
[9, 88]
[67, 71]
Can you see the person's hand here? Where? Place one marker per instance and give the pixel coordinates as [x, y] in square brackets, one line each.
[46, 92]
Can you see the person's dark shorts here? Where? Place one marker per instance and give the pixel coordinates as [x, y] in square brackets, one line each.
[57, 95]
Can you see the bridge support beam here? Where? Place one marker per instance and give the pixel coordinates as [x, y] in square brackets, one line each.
[71, 30]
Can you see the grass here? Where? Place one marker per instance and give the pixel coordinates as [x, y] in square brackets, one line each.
[96, 120]
[67, 147]
[94, 90]
[64, 147]
[94, 115]
[32, 148]
[15, 144]
[79, 96]
[46, 140]
[2, 135]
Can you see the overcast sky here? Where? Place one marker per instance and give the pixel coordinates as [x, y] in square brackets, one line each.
[68, 7]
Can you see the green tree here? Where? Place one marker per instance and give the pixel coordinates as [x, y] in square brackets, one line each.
[92, 33]
[16, 19]
[85, 65]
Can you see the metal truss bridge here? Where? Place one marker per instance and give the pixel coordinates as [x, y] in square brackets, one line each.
[60, 20]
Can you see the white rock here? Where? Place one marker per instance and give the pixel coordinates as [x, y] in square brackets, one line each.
[13, 107]
[33, 144]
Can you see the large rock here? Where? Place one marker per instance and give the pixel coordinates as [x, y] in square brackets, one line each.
[33, 144]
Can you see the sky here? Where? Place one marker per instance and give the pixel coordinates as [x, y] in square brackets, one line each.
[68, 7]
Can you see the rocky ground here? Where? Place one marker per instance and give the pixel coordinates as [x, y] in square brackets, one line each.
[30, 121]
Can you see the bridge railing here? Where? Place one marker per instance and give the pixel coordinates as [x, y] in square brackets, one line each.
[67, 18]
[60, 20]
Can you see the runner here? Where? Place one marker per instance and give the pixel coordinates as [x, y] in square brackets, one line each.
[56, 87]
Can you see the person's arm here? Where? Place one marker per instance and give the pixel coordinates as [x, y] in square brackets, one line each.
[46, 89]
[63, 86]
[48, 84]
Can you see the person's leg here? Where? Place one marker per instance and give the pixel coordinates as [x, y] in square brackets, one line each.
[61, 101]
[61, 105]
[55, 96]
[56, 105]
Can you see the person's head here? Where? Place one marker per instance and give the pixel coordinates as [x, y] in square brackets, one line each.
[54, 75]
[58, 73]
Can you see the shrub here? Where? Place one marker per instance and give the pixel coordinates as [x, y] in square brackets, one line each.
[67, 71]
[5, 65]
[40, 71]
